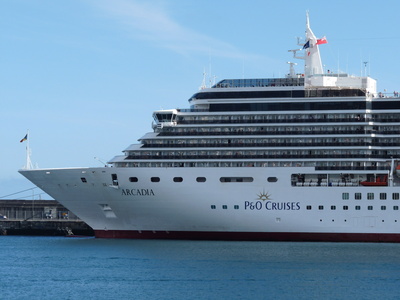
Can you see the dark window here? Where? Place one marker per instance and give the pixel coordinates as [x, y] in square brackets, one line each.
[357, 196]
[370, 207]
[133, 179]
[333, 207]
[83, 179]
[114, 179]
[321, 207]
[299, 106]
[345, 196]
[370, 196]
[224, 206]
[272, 179]
[213, 207]
[236, 207]
[358, 207]
[178, 179]
[345, 207]
[395, 207]
[201, 179]
[382, 196]
[383, 207]
[155, 179]
[395, 196]
[308, 207]
[236, 179]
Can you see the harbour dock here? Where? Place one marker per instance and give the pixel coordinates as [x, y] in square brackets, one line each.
[40, 217]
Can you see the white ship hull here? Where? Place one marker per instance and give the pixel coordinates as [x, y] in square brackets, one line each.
[257, 210]
[312, 156]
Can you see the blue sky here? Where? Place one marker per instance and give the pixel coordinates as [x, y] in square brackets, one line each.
[85, 76]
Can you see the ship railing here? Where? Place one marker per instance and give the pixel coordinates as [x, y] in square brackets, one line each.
[385, 94]
[271, 144]
[352, 168]
[295, 131]
[266, 156]
[280, 121]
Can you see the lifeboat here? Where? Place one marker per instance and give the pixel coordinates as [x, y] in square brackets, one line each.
[378, 182]
[398, 170]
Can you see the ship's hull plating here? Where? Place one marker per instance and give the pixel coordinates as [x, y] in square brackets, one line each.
[115, 207]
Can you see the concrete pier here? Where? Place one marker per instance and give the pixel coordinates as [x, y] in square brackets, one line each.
[39, 217]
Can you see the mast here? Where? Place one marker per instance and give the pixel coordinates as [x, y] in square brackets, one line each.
[28, 165]
[313, 64]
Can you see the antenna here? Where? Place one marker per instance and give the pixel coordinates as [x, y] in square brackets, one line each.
[365, 67]
[203, 83]
[98, 159]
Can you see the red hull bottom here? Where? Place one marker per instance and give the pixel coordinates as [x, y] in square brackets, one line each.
[251, 236]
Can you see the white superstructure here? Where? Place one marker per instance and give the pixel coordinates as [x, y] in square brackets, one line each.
[312, 156]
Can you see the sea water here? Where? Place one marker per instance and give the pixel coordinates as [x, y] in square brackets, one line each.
[89, 268]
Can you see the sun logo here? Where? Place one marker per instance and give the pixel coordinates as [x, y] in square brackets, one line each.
[264, 196]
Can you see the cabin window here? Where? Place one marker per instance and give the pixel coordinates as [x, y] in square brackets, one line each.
[395, 207]
[201, 179]
[358, 207]
[383, 207]
[357, 196]
[236, 206]
[213, 207]
[345, 196]
[370, 196]
[308, 207]
[333, 207]
[321, 207]
[395, 196]
[345, 207]
[382, 196]
[224, 206]
[178, 179]
[272, 179]
[133, 179]
[83, 179]
[370, 207]
[155, 179]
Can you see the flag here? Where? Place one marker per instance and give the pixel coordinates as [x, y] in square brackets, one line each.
[24, 139]
[322, 41]
[306, 45]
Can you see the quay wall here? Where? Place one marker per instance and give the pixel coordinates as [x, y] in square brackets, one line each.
[39, 217]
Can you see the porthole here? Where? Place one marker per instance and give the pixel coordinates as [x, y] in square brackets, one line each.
[224, 206]
[201, 179]
[213, 207]
[133, 179]
[178, 179]
[272, 179]
[155, 179]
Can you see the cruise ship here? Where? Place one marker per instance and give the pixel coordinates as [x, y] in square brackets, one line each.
[313, 156]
